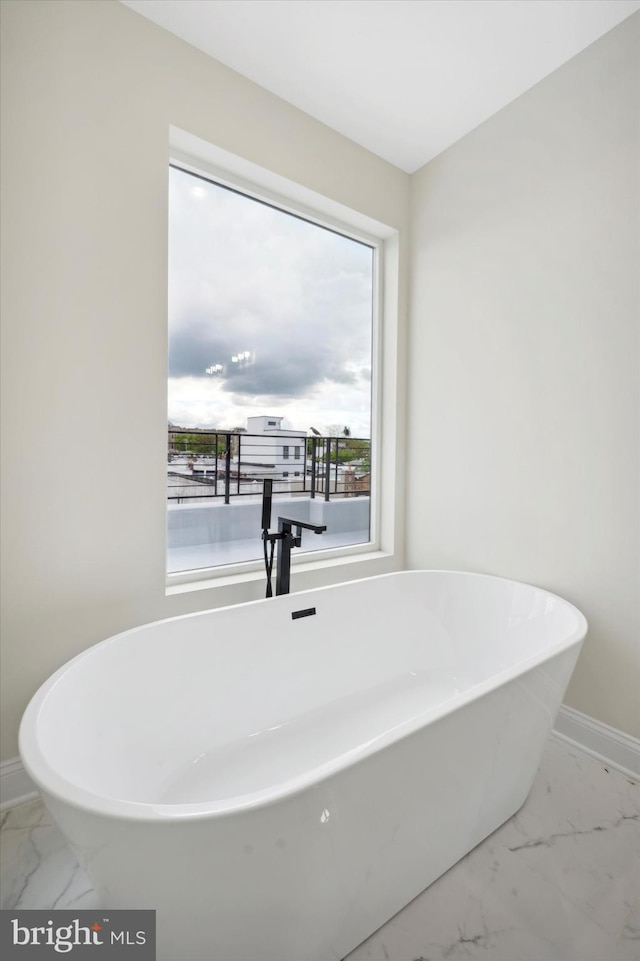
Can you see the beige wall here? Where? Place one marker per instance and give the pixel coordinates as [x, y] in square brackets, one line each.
[523, 376]
[88, 93]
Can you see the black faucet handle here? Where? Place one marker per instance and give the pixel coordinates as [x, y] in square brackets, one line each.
[267, 495]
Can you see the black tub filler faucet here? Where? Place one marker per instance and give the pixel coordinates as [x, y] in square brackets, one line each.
[286, 540]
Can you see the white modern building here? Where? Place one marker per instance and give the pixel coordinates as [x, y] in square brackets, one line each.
[268, 445]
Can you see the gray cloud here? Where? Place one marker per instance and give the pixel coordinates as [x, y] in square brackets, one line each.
[278, 366]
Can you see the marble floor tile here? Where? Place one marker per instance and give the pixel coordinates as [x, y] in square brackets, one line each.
[560, 881]
[37, 867]
[581, 833]
[557, 882]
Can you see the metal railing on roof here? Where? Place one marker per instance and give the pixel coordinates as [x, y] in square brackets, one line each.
[205, 465]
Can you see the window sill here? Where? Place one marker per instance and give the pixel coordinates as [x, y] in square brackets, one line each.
[206, 580]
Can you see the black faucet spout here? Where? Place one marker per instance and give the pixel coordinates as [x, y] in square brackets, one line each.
[286, 523]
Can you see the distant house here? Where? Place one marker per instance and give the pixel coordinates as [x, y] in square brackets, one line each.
[268, 445]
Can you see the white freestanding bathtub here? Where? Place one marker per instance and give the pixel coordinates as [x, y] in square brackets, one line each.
[278, 779]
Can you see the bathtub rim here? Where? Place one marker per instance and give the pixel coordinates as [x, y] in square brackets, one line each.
[50, 782]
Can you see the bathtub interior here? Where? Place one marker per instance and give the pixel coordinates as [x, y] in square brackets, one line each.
[232, 704]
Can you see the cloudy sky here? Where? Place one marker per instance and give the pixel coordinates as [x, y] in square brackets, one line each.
[290, 301]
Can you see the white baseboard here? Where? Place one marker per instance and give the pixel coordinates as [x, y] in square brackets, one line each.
[613, 747]
[16, 787]
[617, 749]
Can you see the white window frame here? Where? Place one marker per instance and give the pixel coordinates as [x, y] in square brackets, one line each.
[197, 156]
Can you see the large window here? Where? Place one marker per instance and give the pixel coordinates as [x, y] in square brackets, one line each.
[271, 332]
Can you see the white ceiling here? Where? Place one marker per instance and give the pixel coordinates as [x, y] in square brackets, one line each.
[404, 78]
